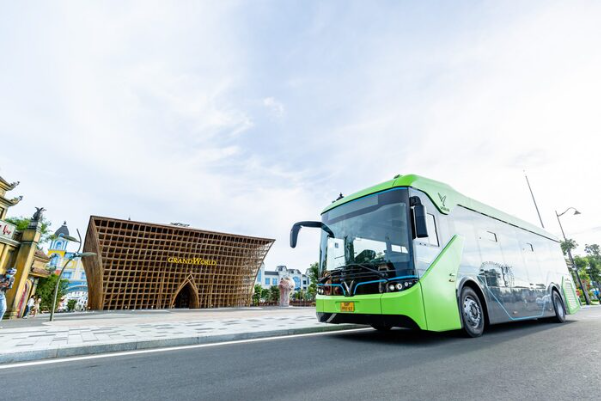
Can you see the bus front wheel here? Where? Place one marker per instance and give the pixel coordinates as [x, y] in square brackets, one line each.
[471, 310]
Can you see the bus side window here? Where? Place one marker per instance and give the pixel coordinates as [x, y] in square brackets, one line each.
[432, 230]
[487, 235]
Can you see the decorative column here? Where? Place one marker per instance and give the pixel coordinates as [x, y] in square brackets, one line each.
[24, 261]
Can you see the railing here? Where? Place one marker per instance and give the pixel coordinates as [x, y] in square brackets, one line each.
[295, 303]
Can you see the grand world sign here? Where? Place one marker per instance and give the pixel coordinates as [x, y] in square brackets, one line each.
[192, 261]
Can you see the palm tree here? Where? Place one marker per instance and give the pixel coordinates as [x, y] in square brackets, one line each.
[568, 244]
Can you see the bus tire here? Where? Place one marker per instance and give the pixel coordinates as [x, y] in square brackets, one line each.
[559, 308]
[382, 328]
[471, 311]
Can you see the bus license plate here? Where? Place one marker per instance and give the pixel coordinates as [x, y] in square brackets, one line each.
[347, 307]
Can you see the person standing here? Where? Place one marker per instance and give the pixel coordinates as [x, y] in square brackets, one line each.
[36, 307]
[29, 306]
[6, 282]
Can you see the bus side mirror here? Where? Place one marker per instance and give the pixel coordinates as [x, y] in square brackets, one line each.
[420, 221]
[295, 234]
[308, 224]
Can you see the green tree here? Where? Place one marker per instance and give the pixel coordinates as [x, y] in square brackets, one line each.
[71, 304]
[593, 250]
[568, 244]
[593, 259]
[22, 223]
[580, 263]
[257, 294]
[312, 273]
[265, 294]
[274, 294]
[299, 295]
[46, 291]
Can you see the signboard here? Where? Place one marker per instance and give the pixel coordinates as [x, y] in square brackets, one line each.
[7, 230]
[192, 261]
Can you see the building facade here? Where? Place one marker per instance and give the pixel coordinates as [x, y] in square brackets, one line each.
[19, 250]
[141, 265]
[74, 271]
[268, 279]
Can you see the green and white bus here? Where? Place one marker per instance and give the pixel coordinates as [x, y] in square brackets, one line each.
[413, 252]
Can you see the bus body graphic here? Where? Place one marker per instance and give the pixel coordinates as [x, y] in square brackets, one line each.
[413, 252]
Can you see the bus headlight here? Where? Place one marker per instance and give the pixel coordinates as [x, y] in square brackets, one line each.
[399, 286]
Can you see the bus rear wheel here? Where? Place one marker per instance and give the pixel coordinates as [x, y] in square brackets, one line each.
[471, 310]
[558, 308]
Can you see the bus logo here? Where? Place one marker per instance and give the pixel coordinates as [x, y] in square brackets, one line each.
[348, 287]
[442, 198]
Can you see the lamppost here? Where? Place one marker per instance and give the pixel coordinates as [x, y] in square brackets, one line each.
[585, 295]
[72, 257]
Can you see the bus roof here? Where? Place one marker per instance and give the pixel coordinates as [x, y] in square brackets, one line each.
[445, 199]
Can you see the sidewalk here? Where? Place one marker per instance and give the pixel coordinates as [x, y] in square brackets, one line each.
[104, 332]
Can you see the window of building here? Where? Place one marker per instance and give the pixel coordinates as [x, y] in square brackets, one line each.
[274, 281]
[267, 281]
[67, 275]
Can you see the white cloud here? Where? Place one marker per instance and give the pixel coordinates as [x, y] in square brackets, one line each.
[276, 108]
[153, 112]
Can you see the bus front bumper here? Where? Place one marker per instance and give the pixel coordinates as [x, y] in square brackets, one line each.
[396, 309]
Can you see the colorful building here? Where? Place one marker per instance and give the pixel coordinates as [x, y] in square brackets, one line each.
[268, 279]
[19, 249]
[74, 271]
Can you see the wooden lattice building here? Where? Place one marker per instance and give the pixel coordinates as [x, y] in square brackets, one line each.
[143, 266]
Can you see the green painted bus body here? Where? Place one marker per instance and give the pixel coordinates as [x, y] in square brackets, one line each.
[432, 304]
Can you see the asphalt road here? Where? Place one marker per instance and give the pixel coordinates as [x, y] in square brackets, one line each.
[521, 361]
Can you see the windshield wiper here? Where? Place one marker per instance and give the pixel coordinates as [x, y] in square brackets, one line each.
[377, 272]
[327, 276]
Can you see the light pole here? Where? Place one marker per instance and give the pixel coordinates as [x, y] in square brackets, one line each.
[585, 295]
[73, 256]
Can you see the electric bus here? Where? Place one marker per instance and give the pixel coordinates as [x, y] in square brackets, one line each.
[413, 252]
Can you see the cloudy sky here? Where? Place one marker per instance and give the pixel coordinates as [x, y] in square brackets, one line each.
[248, 116]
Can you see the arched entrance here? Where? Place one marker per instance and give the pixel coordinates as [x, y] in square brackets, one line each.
[187, 297]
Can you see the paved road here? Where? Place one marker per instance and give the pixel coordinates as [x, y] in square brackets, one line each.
[529, 360]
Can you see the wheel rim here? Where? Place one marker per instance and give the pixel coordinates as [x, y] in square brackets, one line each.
[559, 306]
[472, 312]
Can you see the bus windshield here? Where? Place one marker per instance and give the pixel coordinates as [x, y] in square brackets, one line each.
[371, 234]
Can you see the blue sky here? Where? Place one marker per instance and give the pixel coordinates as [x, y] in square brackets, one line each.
[248, 116]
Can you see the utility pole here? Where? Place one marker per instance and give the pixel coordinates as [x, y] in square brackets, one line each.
[535, 203]
[585, 294]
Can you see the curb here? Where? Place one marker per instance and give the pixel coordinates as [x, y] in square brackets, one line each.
[82, 350]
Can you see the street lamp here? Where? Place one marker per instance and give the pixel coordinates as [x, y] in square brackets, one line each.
[585, 295]
[72, 257]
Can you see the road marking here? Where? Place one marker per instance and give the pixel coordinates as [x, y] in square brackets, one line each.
[170, 349]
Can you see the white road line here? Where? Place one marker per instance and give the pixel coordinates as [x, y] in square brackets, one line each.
[169, 349]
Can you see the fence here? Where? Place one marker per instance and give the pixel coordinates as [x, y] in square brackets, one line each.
[296, 303]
